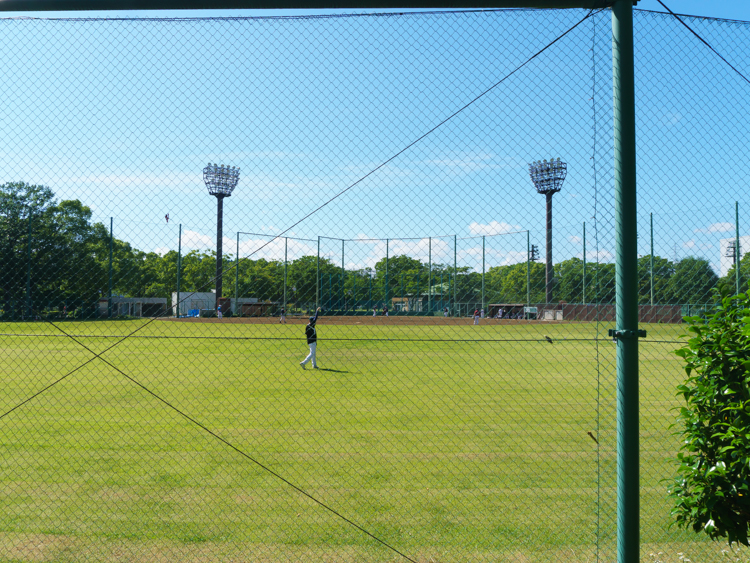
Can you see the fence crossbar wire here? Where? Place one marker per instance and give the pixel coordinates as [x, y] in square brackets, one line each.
[706, 43]
[335, 339]
[221, 439]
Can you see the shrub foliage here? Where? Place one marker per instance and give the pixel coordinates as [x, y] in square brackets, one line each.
[712, 487]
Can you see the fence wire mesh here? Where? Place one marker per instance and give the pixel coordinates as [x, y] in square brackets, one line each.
[464, 403]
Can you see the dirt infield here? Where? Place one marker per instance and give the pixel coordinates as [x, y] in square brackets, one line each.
[393, 320]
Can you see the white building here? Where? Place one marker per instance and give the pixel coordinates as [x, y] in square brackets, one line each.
[726, 262]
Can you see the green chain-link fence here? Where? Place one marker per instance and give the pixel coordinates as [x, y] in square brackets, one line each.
[384, 168]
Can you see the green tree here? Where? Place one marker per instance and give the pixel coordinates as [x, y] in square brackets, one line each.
[663, 272]
[692, 282]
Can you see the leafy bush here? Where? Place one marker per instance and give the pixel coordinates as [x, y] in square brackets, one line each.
[712, 487]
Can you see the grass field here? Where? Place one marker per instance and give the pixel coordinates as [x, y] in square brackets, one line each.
[447, 442]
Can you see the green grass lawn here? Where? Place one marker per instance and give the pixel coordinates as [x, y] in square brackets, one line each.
[449, 443]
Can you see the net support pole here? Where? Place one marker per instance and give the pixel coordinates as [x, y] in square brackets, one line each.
[237, 276]
[651, 261]
[528, 269]
[628, 534]
[584, 266]
[483, 272]
[455, 274]
[109, 283]
[317, 278]
[385, 293]
[179, 267]
[343, 277]
[286, 254]
[429, 276]
[737, 255]
[28, 270]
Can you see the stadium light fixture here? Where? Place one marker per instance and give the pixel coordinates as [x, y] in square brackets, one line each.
[220, 181]
[548, 178]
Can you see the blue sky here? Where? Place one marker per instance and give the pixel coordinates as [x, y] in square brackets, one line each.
[123, 115]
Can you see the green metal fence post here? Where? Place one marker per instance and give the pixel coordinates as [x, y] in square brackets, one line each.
[455, 271]
[317, 278]
[109, 286]
[401, 280]
[528, 270]
[737, 253]
[28, 270]
[482, 271]
[584, 265]
[179, 267]
[628, 533]
[237, 277]
[651, 261]
[386, 273]
[286, 256]
[429, 278]
[343, 277]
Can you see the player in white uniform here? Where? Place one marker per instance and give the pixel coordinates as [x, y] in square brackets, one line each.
[218, 312]
[282, 319]
[312, 341]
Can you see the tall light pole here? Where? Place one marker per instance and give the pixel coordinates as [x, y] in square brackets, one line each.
[220, 181]
[548, 178]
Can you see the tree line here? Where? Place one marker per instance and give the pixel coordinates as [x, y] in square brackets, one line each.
[61, 256]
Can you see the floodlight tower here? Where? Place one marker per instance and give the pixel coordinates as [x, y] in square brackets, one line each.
[548, 178]
[220, 181]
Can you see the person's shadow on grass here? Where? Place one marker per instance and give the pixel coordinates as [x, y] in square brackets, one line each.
[333, 370]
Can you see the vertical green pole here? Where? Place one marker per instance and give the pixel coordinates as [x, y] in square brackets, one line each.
[109, 285]
[429, 280]
[528, 269]
[737, 253]
[628, 533]
[28, 270]
[236, 277]
[401, 278]
[482, 271]
[442, 304]
[416, 292]
[584, 264]
[369, 304]
[317, 278]
[286, 261]
[651, 261]
[179, 268]
[343, 277]
[386, 273]
[455, 272]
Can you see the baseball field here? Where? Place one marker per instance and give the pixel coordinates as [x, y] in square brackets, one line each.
[200, 440]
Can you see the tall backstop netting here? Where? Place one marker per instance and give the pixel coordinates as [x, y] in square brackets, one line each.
[437, 189]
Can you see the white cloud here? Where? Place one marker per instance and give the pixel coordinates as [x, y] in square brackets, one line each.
[716, 228]
[493, 228]
[575, 239]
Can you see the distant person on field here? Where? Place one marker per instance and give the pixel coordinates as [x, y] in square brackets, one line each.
[385, 310]
[218, 312]
[312, 341]
[445, 312]
[374, 312]
[282, 319]
[476, 316]
[481, 313]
